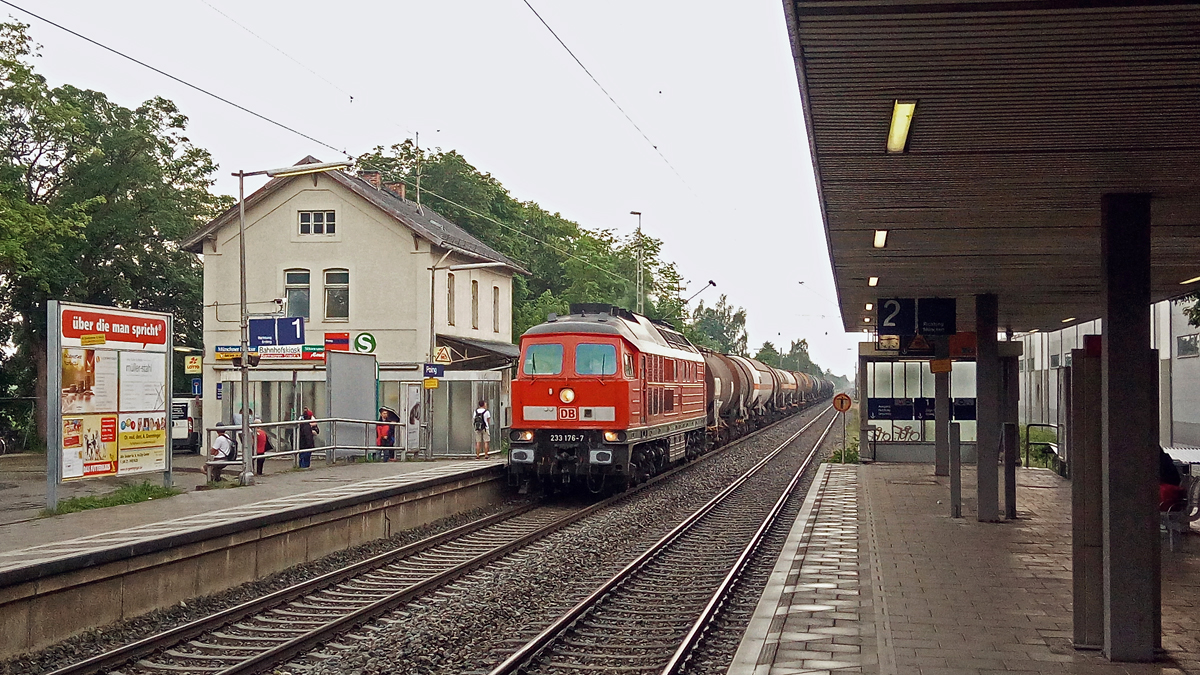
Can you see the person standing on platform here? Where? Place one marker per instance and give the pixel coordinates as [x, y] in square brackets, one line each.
[483, 425]
[307, 430]
[385, 434]
[261, 445]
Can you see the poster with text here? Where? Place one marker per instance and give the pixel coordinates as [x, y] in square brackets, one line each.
[143, 439]
[143, 377]
[89, 381]
[89, 446]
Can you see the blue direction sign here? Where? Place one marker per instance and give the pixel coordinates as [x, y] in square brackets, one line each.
[262, 332]
[196, 387]
[276, 331]
[434, 370]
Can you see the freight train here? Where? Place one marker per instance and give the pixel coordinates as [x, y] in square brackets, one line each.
[605, 398]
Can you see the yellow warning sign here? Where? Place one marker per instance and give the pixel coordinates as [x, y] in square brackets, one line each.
[431, 383]
[442, 355]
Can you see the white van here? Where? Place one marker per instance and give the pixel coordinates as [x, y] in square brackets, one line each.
[187, 427]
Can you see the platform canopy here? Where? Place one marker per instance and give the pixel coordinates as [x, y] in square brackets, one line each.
[1026, 113]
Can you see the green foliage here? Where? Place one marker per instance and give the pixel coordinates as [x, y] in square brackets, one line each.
[567, 263]
[126, 494]
[724, 326]
[1038, 453]
[851, 454]
[1192, 309]
[94, 200]
[768, 355]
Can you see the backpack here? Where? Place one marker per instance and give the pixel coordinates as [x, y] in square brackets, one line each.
[480, 422]
[233, 451]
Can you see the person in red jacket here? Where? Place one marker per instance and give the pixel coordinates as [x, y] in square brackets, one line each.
[1171, 495]
[385, 434]
[261, 445]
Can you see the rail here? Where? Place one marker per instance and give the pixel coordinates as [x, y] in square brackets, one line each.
[523, 656]
[273, 652]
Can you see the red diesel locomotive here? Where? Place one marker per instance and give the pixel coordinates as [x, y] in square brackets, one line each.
[608, 398]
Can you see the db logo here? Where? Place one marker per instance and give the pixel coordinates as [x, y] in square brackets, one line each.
[568, 413]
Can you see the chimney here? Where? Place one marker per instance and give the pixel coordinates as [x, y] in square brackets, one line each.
[398, 188]
[372, 177]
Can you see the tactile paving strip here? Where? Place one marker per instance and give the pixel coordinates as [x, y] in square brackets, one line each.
[38, 555]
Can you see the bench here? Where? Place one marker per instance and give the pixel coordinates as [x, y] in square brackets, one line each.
[1175, 521]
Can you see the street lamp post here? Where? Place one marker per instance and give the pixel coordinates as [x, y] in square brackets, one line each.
[640, 309]
[247, 475]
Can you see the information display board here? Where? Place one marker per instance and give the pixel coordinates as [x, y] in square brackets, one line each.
[110, 377]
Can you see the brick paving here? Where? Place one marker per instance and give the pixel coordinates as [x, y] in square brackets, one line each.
[918, 592]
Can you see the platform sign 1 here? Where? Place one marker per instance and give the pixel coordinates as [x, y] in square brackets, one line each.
[435, 370]
[287, 330]
[109, 378]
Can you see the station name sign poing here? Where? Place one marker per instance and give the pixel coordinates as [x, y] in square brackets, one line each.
[97, 328]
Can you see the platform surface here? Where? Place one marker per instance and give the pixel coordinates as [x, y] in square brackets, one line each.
[877, 578]
[40, 540]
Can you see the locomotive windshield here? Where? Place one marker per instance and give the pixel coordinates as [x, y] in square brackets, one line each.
[594, 359]
[543, 359]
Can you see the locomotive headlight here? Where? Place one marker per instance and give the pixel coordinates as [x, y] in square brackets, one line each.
[566, 395]
[614, 436]
[521, 435]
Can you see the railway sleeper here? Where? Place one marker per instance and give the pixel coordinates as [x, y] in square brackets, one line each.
[175, 668]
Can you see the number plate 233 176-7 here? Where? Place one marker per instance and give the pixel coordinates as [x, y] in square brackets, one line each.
[566, 438]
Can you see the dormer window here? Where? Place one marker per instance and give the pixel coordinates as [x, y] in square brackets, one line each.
[318, 222]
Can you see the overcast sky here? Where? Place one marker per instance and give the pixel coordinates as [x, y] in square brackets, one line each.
[711, 83]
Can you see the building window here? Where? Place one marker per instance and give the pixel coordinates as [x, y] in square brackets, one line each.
[450, 299]
[337, 295]
[474, 304]
[495, 309]
[296, 292]
[318, 222]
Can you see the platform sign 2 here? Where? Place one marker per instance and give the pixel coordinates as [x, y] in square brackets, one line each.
[911, 316]
[110, 383]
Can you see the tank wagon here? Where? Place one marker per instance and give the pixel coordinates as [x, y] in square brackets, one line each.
[605, 398]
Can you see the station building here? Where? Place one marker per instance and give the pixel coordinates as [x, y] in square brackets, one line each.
[365, 268]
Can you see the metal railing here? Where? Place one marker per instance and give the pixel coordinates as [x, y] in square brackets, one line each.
[1060, 466]
[329, 425]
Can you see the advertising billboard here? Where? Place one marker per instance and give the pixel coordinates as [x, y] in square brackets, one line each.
[110, 371]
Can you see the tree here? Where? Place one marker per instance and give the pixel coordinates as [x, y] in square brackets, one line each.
[768, 354]
[567, 263]
[116, 189]
[723, 324]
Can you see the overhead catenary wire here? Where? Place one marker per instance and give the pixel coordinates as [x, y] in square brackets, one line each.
[610, 96]
[517, 230]
[272, 46]
[304, 135]
[182, 81]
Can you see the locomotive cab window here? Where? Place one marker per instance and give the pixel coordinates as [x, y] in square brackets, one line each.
[543, 359]
[595, 359]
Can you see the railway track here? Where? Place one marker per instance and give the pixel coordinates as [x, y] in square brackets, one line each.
[280, 627]
[651, 615]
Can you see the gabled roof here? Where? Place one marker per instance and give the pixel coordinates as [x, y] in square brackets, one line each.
[425, 222]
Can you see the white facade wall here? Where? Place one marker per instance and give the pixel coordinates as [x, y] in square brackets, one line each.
[389, 289]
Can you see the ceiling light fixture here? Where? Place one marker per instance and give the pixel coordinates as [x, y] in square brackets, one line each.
[1068, 319]
[866, 319]
[1189, 281]
[873, 281]
[1034, 330]
[902, 114]
[870, 306]
[880, 238]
